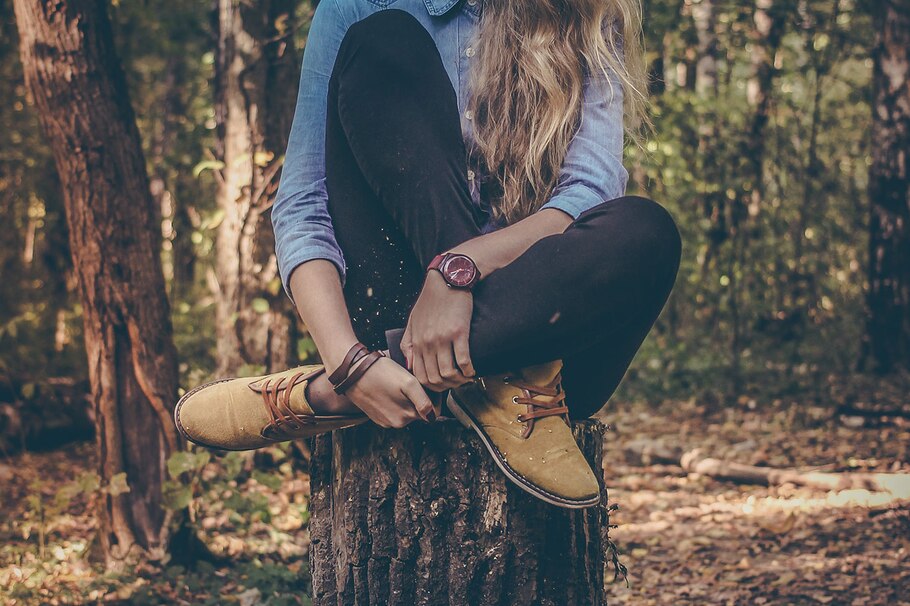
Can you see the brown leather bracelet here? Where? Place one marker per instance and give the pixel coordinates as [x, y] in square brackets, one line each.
[371, 358]
[357, 351]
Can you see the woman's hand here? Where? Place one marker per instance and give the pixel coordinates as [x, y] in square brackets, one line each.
[390, 395]
[436, 338]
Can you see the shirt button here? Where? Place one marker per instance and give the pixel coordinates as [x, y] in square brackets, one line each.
[470, 175]
[472, 2]
[469, 51]
[469, 114]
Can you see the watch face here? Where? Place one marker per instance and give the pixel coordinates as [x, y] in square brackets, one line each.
[459, 270]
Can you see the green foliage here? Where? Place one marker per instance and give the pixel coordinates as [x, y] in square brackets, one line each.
[770, 291]
[769, 299]
[191, 488]
[770, 284]
[47, 503]
[248, 512]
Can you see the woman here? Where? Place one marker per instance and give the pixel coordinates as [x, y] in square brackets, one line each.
[454, 169]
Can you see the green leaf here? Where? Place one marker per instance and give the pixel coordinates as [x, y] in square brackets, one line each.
[268, 480]
[260, 305]
[181, 462]
[118, 485]
[177, 497]
[29, 390]
[306, 347]
[262, 158]
[207, 165]
[215, 220]
[202, 459]
[89, 482]
[274, 286]
[233, 465]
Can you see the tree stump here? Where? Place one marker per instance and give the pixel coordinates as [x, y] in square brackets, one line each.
[423, 516]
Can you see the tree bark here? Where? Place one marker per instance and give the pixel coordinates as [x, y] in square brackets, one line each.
[424, 517]
[888, 325]
[769, 20]
[170, 184]
[256, 72]
[707, 87]
[79, 89]
[704, 14]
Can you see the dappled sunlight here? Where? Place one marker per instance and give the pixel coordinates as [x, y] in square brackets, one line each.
[751, 505]
[689, 538]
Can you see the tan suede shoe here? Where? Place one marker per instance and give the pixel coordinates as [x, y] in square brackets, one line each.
[252, 412]
[524, 423]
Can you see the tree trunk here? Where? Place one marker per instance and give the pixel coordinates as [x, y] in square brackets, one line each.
[424, 517]
[170, 180]
[80, 93]
[714, 203]
[256, 73]
[705, 18]
[769, 20]
[888, 326]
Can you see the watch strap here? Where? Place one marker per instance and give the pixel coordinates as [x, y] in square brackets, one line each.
[436, 263]
[439, 260]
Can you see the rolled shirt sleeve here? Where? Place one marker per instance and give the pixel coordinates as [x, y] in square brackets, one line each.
[592, 171]
[300, 217]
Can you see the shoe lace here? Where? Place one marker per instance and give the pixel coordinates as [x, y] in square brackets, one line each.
[552, 407]
[281, 418]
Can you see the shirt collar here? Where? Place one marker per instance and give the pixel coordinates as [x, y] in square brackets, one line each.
[439, 7]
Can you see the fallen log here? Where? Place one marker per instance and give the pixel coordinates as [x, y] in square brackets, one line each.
[694, 461]
[897, 484]
[423, 516]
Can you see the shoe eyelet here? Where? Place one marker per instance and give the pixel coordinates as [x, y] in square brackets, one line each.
[514, 399]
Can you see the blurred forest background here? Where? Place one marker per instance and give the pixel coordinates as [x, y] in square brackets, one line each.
[786, 343]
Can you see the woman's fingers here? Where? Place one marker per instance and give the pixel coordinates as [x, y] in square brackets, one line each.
[417, 368]
[406, 347]
[450, 372]
[463, 357]
[414, 391]
[431, 368]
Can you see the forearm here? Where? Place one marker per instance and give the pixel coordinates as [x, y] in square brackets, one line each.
[317, 292]
[499, 248]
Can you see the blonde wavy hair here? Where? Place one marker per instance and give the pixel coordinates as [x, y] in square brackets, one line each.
[527, 87]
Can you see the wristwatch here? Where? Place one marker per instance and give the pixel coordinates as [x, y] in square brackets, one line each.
[459, 271]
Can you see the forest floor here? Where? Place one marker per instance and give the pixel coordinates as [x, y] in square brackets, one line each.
[691, 539]
[685, 538]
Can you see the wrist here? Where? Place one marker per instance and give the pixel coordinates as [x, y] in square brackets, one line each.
[435, 280]
[336, 351]
[458, 270]
[479, 254]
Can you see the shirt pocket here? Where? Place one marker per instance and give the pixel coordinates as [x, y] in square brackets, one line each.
[382, 3]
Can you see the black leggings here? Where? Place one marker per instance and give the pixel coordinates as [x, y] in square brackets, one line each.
[396, 176]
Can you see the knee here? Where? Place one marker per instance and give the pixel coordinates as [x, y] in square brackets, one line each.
[642, 228]
[660, 227]
[386, 41]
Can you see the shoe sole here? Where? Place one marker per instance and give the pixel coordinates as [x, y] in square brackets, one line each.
[198, 442]
[468, 420]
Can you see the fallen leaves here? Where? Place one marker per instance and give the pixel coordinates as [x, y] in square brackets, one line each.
[691, 539]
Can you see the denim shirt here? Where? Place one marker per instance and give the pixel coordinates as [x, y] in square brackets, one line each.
[592, 171]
